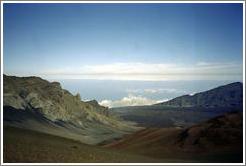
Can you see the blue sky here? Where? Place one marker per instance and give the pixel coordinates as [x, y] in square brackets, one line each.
[124, 41]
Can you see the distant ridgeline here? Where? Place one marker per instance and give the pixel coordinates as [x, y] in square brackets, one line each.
[230, 95]
[36, 104]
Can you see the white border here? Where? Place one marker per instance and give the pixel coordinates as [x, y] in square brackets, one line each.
[242, 2]
[244, 83]
[1, 83]
[123, 1]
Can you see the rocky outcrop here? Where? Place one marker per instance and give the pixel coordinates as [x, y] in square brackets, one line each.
[56, 106]
[230, 95]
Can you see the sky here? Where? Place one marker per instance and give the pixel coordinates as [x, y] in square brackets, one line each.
[124, 41]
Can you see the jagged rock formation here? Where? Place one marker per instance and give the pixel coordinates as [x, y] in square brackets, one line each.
[34, 103]
[230, 95]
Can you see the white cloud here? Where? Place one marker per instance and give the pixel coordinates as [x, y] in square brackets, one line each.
[130, 100]
[192, 94]
[154, 90]
[151, 90]
[134, 90]
[161, 101]
[163, 90]
[150, 71]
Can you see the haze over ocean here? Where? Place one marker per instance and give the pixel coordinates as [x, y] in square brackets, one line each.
[115, 93]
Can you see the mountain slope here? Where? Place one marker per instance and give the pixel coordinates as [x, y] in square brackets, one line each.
[186, 110]
[36, 104]
[219, 139]
[230, 95]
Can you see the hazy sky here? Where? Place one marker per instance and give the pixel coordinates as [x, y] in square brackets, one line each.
[124, 41]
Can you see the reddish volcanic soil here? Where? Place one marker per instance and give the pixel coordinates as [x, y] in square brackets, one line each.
[217, 140]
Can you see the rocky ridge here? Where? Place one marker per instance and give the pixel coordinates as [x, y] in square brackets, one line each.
[48, 104]
[230, 95]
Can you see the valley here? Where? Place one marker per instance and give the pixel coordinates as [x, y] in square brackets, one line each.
[122, 83]
[44, 123]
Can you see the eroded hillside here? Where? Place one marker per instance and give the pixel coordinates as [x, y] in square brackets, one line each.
[36, 104]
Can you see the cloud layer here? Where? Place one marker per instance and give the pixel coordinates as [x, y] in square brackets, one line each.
[146, 71]
[154, 91]
[130, 100]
